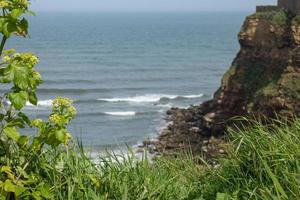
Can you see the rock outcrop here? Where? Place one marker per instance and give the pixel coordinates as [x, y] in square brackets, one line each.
[264, 79]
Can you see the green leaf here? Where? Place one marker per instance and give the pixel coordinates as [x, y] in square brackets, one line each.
[22, 172]
[4, 29]
[16, 13]
[18, 100]
[9, 28]
[23, 141]
[9, 186]
[7, 75]
[222, 196]
[8, 51]
[6, 169]
[94, 180]
[45, 191]
[30, 12]
[60, 135]
[12, 133]
[36, 143]
[279, 189]
[2, 151]
[21, 74]
[2, 21]
[33, 98]
[20, 190]
[25, 118]
[37, 195]
[23, 26]
[17, 123]
[1, 117]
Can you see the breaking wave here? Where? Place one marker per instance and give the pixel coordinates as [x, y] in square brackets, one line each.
[151, 98]
[128, 113]
[42, 103]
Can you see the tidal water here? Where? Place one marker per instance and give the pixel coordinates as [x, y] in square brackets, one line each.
[124, 70]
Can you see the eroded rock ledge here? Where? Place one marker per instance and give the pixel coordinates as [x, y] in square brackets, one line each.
[264, 79]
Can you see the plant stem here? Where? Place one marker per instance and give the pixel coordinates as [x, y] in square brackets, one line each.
[2, 44]
[4, 38]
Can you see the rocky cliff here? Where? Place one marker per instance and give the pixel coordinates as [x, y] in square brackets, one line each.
[264, 79]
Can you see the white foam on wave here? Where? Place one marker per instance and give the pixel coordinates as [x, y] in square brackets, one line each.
[139, 99]
[193, 96]
[150, 98]
[165, 105]
[42, 103]
[127, 113]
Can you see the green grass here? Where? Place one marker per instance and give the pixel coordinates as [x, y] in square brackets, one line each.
[263, 163]
[278, 18]
[296, 20]
[121, 177]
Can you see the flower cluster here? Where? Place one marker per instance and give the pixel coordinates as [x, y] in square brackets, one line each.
[14, 3]
[54, 132]
[64, 105]
[37, 122]
[63, 111]
[25, 58]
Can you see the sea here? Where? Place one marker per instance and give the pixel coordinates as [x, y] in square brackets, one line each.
[125, 70]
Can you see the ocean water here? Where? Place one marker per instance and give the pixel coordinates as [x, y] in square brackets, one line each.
[124, 70]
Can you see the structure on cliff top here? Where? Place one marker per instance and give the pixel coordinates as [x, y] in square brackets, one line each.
[289, 5]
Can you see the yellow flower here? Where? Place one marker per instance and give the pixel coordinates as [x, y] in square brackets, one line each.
[60, 101]
[9, 51]
[4, 4]
[72, 110]
[37, 122]
[34, 60]
[6, 58]
[68, 137]
[36, 75]
[55, 118]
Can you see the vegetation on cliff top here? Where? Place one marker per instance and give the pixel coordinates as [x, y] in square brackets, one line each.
[279, 18]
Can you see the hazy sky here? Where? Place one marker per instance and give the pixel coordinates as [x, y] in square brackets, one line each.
[147, 5]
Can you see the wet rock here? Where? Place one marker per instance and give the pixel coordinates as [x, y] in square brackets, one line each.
[209, 117]
[195, 129]
[221, 151]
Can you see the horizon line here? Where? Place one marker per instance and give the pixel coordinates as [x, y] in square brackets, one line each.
[143, 11]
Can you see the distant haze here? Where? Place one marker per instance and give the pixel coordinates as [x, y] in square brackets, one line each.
[147, 5]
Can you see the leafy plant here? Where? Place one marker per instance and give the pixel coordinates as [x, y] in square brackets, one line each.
[18, 152]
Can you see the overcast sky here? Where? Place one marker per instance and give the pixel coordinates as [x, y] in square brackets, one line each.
[147, 5]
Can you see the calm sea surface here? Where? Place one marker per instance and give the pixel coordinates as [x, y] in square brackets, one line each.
[125, 70]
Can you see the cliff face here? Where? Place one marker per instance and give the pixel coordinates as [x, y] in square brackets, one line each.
[265, 76]
[264, 79]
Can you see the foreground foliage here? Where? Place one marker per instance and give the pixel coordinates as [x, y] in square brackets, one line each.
[262, 163]
[20, 155]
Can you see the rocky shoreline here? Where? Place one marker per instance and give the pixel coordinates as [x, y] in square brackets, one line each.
[187, 130]
[263, 80]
